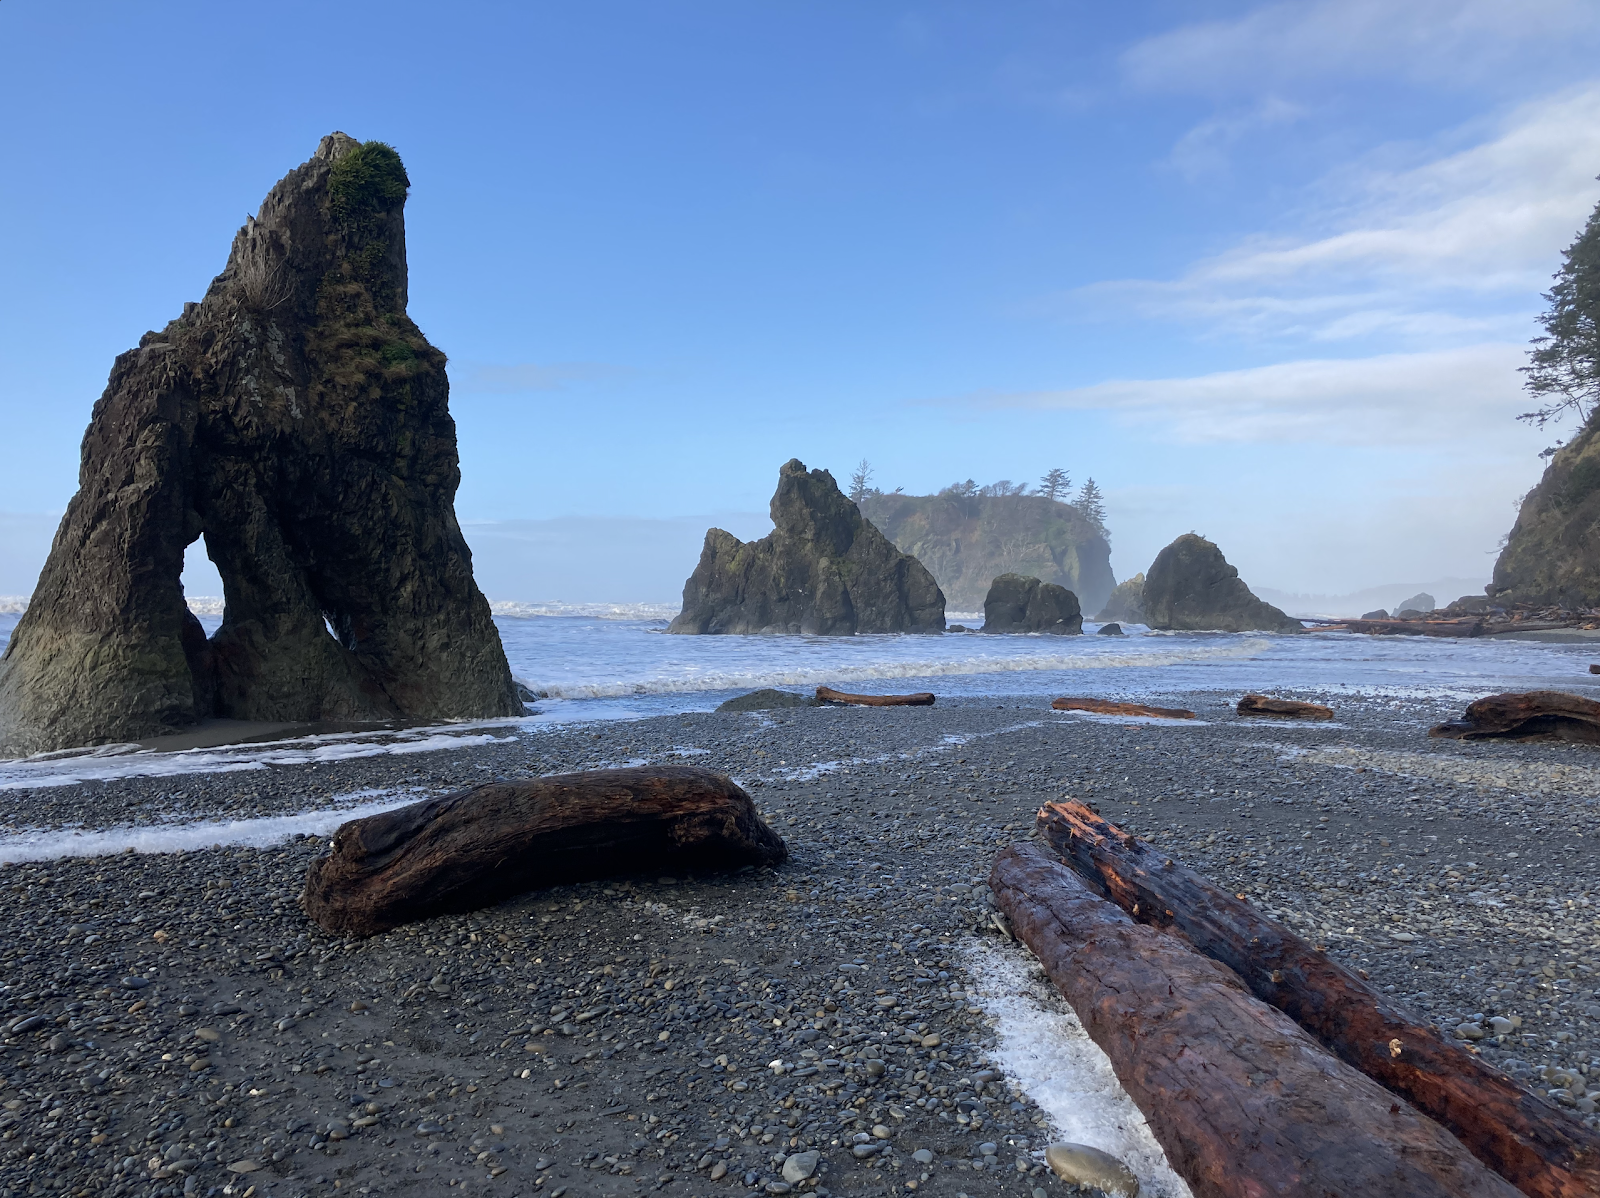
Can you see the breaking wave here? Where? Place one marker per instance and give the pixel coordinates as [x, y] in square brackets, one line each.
[517, 610]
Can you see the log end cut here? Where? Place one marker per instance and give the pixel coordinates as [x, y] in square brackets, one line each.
[478, 847]
[1291, 709]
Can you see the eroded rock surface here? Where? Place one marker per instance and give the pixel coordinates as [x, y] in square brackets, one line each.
[1126, 603]
[822, 571]
[1552, 555]
[298, 420]
[1018, 604]
[1191, 586]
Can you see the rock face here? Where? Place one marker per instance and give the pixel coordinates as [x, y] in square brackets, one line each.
[1126, 603]
[822, 571]
[967, 540]
[1552, 555]
[297, 420]
[1422, 603]
[1191, 586]
[1018, 604]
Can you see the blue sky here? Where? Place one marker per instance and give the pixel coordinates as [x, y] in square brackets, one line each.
[1265, 271]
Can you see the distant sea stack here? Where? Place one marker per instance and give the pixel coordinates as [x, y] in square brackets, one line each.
[1552, 556]
[969, 540]
[1018, 604]
[299, 421]
[822, 571]
[1126, 603]
[1190, 586]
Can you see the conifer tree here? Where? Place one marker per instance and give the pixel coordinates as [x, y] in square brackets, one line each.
[1563, 370]
[1091, 504]
[1055, 484]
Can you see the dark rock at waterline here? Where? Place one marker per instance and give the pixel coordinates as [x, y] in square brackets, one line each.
[1018, 604]
[1112, 629]
[1190, 586]
[1126, 603]
[822, 571]
[297, 420]
[1380, 614]
[768, 700]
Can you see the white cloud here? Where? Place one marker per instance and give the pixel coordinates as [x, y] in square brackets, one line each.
[1455, 245]
[1466, 394]
[1455, 43]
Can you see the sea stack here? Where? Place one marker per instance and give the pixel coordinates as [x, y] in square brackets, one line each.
[822, 571]
[1191, 587]
[299, 421]
[1018, 604]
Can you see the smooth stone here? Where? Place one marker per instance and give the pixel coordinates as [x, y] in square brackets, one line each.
[1082, 1165]
[801, 1165]
[882, 1133]
[1470, 1031]
[875, 1068]
[922, 1156]
[988, 1149]
[719, 1170]
[863, 1151]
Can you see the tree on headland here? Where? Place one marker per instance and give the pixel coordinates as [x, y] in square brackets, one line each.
[1091, 504]
[1055, 484]
[1004, 487]
[860, 479]
[1563, 370]
[961, 490]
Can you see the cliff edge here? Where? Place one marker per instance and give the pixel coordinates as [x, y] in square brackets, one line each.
[1552, 555]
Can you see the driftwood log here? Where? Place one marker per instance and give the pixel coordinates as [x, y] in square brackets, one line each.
[1526, 715]
[1292, 708]
[827, 694]
[1532, 1143]
[1109, 707]
[1594, 669]
[479, 847]
[1244, 1102]
[1465, 627]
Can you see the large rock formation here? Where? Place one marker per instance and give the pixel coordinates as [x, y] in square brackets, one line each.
[823, 570]
[1552, 555]
[297, 420]
[1018, 604]
[1126, 603]
[1191, 586]
[968, 540]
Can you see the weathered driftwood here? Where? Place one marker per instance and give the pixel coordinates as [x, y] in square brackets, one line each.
[1110, 707]
[1528, 715]
[1594, 669]
[478, 847]
[828, 695]
[1292, 708]
[1532, 1143]
[1244, 1102]
[1467, 626]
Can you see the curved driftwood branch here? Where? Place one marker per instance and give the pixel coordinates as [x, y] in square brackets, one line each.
[478, 847]
[1111, 707]
[1244, 1102]
[827, 694]
[1527, 715]
[1531, 1142]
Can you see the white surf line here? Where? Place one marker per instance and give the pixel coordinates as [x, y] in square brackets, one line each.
[1042, 1046]
[189, 837]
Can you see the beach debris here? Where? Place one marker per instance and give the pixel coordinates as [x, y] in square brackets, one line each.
[478, 847]
[1384, 625]
[1083, 1165]
[822, 571]
[767, 699]
[1112, 707]
[1279, 1114]
[1016, 603]
[1531, 1142]
[330, 515]
[827, 694]
[1190, 586]
[1290, 708]
[1526, 715]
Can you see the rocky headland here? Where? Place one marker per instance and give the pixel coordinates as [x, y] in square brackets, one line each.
[297, 420]
[1552, 555]
[1190, 586]
[966, 541]
[824, 570]
[1018, 604]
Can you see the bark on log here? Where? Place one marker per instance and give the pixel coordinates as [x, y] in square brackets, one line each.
[1244, 1102]
[828, 695]
[1462, 627]
[1293, 708]
[1109, 707]
[1532, 1143]
[1529, 715]
[480, 846]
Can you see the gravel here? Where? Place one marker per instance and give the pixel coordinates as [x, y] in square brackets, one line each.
[173, 1024]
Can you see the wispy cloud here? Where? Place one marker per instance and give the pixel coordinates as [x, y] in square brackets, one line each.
[1454, 245]
[489, 378]
[1435, 398]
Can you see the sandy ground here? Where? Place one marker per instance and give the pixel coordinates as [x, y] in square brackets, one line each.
[175, 1025]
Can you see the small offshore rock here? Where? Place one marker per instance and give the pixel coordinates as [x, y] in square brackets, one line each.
[1081, 1165]
[1111, 629]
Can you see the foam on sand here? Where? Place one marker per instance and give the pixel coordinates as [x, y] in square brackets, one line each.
[1043, 1048]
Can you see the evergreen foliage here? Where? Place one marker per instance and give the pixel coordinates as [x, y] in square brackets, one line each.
[1092, 504]
[1563, 371]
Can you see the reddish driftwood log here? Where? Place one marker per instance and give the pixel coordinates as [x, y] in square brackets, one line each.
[1245, 1103]
[1532, 1143]
[1293, 708]
[1109, 707]
[1460, 627]
[828, 695]
[478, 847]
[1529, 715]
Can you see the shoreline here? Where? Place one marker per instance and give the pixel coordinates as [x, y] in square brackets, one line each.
[1441, 869]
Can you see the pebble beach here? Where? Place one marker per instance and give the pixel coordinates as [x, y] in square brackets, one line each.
[856, 1021]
